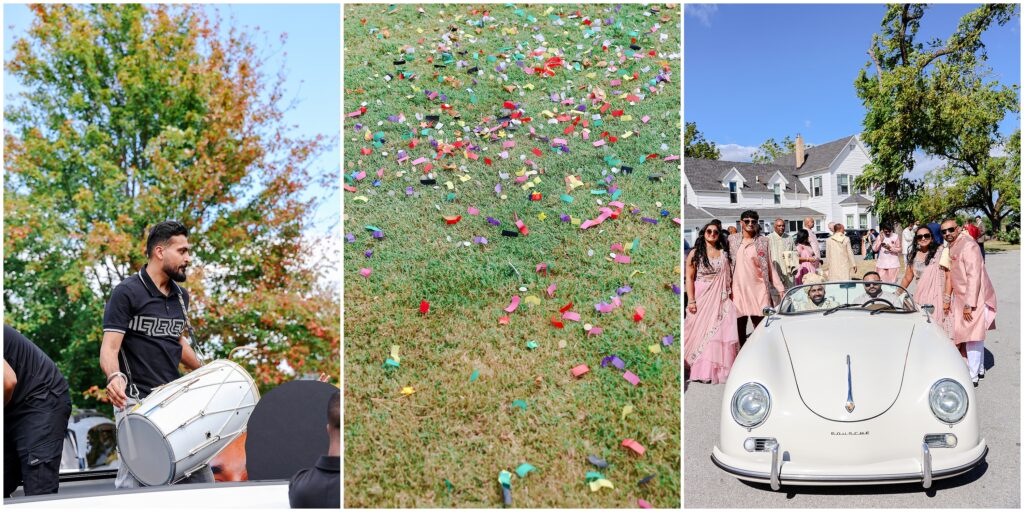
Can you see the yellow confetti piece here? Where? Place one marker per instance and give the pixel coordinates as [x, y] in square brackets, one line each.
[408, 390]
[591, 75]
[528, 87]
[542, 216]
[635, 272]
[548, 11]
[367, 135]
[520, 172]
[464, 178]
[532, 300]
[574, 221]
[394, 353]
[537, 180]
[599, 483]
[626, 411]
[626, 135]
[655, 349]
[547, 113]
[361, 199]
[529, 185]
[449, 184]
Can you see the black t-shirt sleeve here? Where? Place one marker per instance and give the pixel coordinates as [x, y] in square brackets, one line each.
[117, 314]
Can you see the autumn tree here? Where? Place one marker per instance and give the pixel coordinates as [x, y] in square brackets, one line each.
[133, 114]
[696, 146]
[929, 96]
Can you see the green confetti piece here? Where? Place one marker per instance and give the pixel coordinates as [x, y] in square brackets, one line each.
[451, 196]
[636, 245]
[474, 376]
[567, 198]
[531, 344]
[598, 192]
[594, 475]
[519, 403]
[373, 228]
[505, 478]
[448, 485]
[523, 469]
[616, 194]
[391, 363]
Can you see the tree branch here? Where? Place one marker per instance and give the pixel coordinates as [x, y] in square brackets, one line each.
[878, 67]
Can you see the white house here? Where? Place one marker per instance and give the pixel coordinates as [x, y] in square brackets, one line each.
[814, 182]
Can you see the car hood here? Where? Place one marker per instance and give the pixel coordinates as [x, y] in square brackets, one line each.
[818, 347]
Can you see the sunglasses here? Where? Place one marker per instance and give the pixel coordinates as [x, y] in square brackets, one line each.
[948, 230]
[927, 236]
[749, 221]
[873, 285]
[711, 231]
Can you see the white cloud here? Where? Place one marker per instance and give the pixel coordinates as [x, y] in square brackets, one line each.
[923, 163]
[702, 12]
[736, 153]
[807, 123]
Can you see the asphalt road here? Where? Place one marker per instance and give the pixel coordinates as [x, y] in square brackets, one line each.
[994, 484]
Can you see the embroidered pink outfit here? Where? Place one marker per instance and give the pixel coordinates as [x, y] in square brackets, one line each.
[931, 283]
[711, 339]
[806, 267]
[888, 262]
[752, 275]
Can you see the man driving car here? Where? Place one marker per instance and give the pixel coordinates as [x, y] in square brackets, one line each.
[873, 292]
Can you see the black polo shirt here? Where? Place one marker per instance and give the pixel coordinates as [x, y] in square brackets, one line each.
[317, 487]
[152, 324]
[37, 374]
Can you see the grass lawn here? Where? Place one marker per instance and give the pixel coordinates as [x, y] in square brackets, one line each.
[996, 246]
[445, 444]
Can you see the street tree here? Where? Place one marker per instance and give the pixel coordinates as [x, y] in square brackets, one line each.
[696, 146]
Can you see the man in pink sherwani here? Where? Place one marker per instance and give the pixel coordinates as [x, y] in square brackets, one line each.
[889, 250]
[973, 305]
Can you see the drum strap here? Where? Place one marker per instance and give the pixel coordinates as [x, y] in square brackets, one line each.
[188, 325]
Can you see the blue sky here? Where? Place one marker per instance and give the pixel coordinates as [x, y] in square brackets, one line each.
[757, 71]
[312, 68]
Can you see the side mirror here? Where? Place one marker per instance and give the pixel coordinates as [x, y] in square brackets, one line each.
[928, 309]
[768, 311]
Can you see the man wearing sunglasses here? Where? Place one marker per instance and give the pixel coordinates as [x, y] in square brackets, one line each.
[974, 300]
[753, 278]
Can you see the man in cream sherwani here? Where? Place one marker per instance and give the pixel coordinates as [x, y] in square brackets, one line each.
[778, 246]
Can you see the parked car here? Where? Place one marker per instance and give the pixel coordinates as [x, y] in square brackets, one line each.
[856, 239]
[90, 443]
[812, 401]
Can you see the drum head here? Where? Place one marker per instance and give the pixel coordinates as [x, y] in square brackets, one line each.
[288, 430]
[147, 453]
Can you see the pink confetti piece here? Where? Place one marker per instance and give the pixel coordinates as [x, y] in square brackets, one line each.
[551, 290]
[671, 158]
[643, 504]
[503, 155]
[604, 307]
[419, 160]
[634, 380]
[508, 144]
[560, 141]
[616, 246]
[571, 315]
[473, 211]
[645, 119]
[595, 331]
[617, 204]
[580, 370]
[619, 258]
[598, 143]
[365, 272]
[360, 175]
[515, 304]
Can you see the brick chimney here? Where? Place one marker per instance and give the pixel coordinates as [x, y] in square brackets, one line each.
[799, 150]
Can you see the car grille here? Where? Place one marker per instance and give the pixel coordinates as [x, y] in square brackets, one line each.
[759, 444]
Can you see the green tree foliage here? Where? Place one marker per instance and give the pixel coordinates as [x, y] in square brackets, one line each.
[132, 115]
[769, 150]
[696, 146]
[929, 96]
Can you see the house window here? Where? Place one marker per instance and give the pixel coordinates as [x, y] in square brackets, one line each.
[816, 186]
[844, 184]
[795, 225]
[863, 221]
[732, 193]
[778, 193]
[849, 220]
[817, 225]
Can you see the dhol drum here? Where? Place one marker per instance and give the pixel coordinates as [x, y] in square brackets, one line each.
[183, 424]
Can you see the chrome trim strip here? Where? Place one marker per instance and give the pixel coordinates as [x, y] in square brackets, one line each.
[926, 466]
[776, 471]
[849, 478]
[850, 406]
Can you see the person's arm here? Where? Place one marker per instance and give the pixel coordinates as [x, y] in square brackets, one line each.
[908, 276]
[775, 279]
[973, 267]
[10, 381]
[116, 381]
[899, 247]
[849, 252]
[947, 291]
[691, 274]
[188, 356]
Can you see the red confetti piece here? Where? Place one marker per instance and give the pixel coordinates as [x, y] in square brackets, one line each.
[558, 324]
[453, 220]
[536, 151]
[633, 445]
[565, 308]
[424, 307]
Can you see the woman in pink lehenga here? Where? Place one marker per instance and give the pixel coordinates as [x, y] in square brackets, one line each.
[710, 336]
[934, 282]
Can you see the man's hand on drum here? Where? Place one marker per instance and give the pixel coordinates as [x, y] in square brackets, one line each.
[115, 391]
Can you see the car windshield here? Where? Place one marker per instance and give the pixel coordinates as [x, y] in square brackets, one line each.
[830, 297]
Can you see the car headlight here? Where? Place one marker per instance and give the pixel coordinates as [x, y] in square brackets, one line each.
[948, 400]
[750, 405]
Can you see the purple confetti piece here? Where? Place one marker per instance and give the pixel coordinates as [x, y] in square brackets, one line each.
[565, 218]
[493, 221]
[614, 361]
[409, 191]
[380, 234]
[393, 119]
[498, 188]
[480, 240]
[350, 238]
[675, 288]
[635, 211]
[624, 290]
[649, 220]
[358, 127]
[668, 340]
[368, 253]
[376, 183]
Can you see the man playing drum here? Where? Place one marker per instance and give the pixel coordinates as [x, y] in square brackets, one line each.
[144, 331]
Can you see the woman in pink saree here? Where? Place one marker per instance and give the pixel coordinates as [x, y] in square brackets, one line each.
[934, 282]
[711, 339]
[808, 261]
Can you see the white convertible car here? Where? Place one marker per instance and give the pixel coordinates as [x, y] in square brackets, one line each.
[848, 383]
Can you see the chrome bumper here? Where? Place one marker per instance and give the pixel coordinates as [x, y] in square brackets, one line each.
[774, 476]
